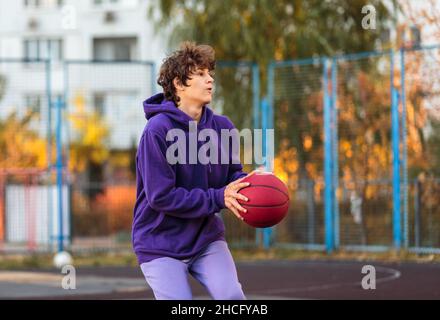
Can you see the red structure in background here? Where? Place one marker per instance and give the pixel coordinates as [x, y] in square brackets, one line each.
[30, 177]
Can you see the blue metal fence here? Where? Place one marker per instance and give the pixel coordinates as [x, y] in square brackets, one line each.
[237, 86]
[356, 138]
[420, 118]
[366, 134]
[296, 110]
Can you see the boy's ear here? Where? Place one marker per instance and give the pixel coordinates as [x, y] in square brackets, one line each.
[178, 85]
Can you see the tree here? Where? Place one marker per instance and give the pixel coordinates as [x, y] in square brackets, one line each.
[422, 82]
[88, 150]
[424, 15]
[263, 31]
[21, 146]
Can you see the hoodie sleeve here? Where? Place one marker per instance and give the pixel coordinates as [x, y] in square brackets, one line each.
[159, 182]
[236, 172]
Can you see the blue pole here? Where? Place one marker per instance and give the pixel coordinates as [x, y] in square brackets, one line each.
[49, 113]
[264, 126]
[396, 170]
[327, 164]
[404, 150]
[396, 165]
[66, 106]
[335, 151]
[270, 102]
[256, 95]
[59, 167]
[256, 118]
[49, 147]
[268, 233]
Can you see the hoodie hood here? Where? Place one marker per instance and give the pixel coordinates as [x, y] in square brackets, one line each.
[158, 104]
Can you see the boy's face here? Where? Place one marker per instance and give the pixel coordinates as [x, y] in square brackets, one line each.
[199, 89]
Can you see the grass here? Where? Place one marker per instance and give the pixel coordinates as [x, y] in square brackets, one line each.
[44, 261]
[289, 254]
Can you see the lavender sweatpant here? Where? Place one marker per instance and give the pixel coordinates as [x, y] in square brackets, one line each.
[214, 268]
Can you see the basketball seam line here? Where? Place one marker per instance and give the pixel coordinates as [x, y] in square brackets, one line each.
[278, 205]
[264, 186]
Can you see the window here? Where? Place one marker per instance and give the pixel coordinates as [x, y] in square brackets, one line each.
[43, 3]
[115, 49]
[108, 4]
[104, 2]
[125, 122]
[31, 50]
[99, 103]
[42, 49]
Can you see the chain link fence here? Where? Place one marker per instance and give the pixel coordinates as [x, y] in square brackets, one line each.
[356, 142]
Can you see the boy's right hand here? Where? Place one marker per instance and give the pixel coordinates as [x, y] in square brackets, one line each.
[232, 195]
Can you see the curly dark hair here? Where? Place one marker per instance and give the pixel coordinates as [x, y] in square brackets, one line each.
[181, 64]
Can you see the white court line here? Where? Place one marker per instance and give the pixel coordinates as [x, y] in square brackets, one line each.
[394, 274]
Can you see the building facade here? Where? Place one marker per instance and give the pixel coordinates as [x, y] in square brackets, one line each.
[117, 35]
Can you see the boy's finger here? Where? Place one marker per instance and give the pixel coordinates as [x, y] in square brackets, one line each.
[240, 196]
[252, 172]
[238, 206]
[242, 185]
[234, 211]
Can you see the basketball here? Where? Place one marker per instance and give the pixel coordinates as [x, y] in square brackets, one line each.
[268, 200]
[62, 259]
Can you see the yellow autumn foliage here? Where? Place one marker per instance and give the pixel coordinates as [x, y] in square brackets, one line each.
[20, 146]
[90, 135]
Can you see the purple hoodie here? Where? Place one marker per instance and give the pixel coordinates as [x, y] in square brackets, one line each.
[176, 205]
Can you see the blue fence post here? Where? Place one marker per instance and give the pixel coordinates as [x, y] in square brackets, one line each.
[59, 168]
[256, 120]
[49, 147]
[266, 232]
[397, 234]
[395, 138]
[256, 95]
[335, 148]
[404, 150]
[264, 123]
[328, 192]
[49, 114]
[270, 113]
[66, 106]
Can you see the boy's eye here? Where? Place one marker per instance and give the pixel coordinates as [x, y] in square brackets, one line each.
[202, 73]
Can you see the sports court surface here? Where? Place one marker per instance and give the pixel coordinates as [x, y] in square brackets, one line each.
[261, 280]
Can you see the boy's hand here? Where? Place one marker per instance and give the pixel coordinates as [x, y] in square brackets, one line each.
[232, 195]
